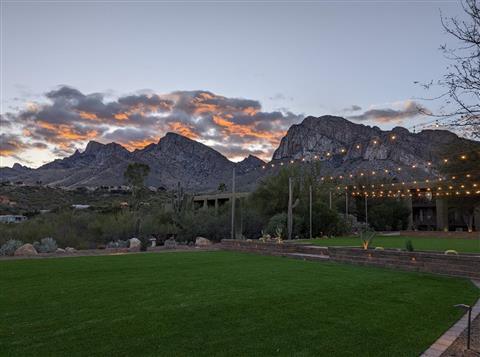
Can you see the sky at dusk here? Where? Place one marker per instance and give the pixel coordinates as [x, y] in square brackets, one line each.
[231, 74]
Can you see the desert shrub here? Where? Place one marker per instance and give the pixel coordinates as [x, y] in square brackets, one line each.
[10, 247]
[409, 246]
[206, 223]
[118, 244]
[46, 245]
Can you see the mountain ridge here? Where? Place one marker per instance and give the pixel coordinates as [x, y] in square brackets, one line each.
[341, 145]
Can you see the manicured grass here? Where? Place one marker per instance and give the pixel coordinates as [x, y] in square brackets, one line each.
[461, 245]
[220, 303]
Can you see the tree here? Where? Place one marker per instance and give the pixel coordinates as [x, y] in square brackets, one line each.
[465, 168]
[135, 175]
[222, 187]
[271, 198]
[462, 80]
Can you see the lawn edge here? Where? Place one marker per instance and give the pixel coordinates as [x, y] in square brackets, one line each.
[454, 332]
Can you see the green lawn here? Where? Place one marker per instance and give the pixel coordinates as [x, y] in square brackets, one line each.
[464, 245]
[220, 303]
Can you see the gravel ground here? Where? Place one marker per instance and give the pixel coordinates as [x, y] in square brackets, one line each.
[458, 347]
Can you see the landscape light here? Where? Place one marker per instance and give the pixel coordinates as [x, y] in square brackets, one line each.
[358, 146]
[463, 157]
[393, 137]
[467, 308]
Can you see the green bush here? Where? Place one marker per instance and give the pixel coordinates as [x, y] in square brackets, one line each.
[206, 223]
[276, 224]
[409, 246]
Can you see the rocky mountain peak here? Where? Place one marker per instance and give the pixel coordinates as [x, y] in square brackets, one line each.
[96, 148]
[249, 163]
[347, 147]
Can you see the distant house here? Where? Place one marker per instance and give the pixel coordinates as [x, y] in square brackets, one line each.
[80, 206]
[12, 218]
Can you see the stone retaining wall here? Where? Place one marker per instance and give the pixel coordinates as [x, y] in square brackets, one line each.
[463, 265]
[271, 248]
[440, 234]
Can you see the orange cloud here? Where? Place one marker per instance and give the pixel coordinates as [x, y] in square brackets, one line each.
[88, 116]
[121, 116]
[183, 129]
[138, 144]
[244, 130]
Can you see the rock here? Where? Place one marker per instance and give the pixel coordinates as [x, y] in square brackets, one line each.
[26, 250]
[170, 243]
[202, 242]
[60, 251]
[70, 250]
[134, 245]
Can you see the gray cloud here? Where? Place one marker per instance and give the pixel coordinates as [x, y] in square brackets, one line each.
[410, 109]
[352, 108]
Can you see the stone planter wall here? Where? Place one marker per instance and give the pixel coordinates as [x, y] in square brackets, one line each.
[271, 248]
[463, 265]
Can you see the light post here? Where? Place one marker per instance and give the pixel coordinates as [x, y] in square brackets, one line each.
[310, 209]
[469, 309]
[290, 208]
[233, 205]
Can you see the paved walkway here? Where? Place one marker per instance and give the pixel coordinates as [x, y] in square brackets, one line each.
[444, 342]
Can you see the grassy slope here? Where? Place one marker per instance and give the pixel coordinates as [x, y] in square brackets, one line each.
[220, 303]
[419, 243]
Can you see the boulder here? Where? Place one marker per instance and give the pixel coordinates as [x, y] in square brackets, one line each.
[60, 251]
[134, 244]
[26, 250]
[70, 250]
[202, 242]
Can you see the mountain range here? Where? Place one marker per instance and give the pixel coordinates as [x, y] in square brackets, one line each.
[343, 147]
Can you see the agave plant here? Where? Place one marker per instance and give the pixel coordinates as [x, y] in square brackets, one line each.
[366, 238]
